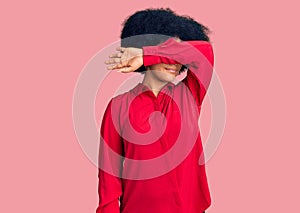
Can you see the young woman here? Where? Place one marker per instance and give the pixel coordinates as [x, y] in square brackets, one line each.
[154, 126]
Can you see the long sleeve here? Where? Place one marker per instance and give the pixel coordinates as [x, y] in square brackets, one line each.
[196, 55]
[110, 162]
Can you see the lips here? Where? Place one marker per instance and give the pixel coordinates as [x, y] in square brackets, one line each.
[171, 70]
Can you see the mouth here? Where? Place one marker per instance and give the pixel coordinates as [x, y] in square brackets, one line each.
[171, 70]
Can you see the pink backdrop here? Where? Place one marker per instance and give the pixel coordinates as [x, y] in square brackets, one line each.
[45, 45]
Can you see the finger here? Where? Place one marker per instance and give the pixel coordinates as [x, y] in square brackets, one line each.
[121, 49]
[116, 55]
[125, 69]
[112, 67]
[115, 66]
[113, 61]
[118, 66]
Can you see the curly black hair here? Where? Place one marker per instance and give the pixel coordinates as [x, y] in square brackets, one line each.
[143, 27]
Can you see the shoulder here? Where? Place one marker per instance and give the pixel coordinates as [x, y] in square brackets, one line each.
[119, 99]
[122, 98]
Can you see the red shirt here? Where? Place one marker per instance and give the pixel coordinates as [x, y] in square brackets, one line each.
[161, 170]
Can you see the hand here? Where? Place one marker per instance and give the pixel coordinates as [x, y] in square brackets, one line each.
[126, 59]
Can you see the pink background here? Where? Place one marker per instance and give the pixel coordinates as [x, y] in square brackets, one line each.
[45, 45]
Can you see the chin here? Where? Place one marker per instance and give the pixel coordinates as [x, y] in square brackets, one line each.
[163, 76]
[168, 78]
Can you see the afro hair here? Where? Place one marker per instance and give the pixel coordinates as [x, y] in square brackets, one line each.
[151, 27]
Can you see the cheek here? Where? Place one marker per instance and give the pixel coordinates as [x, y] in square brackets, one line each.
[156, 67]
[159, 73]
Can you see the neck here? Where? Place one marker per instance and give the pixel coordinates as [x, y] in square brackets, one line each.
[154, 84]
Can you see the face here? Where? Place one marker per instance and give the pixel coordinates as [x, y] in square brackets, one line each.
[164, 72]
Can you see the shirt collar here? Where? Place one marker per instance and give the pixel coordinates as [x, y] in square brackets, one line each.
[140, 88]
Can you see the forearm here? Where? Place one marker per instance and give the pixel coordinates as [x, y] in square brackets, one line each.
[197, 56]
[171, 51]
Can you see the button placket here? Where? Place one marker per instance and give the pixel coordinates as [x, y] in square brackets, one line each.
[160, 96]
[156, 106]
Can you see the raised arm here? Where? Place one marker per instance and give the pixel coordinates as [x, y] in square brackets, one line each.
[196, 55]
